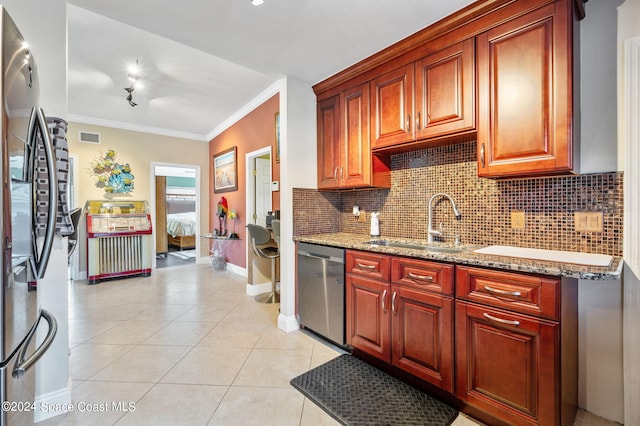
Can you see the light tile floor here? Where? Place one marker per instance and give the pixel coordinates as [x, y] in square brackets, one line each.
[187, 346]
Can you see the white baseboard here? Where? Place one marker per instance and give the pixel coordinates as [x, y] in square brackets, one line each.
[255, 289]
[237, 270]
[288, 323]
[53, 404]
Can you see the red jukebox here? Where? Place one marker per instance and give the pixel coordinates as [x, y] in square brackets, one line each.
[119, 239]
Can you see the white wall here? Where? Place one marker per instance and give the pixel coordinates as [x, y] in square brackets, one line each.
[600, 384]
[44, 26]
[628, 155]
[298, 162]
[598, 128]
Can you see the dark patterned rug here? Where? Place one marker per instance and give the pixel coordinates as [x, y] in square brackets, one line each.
[356, 393]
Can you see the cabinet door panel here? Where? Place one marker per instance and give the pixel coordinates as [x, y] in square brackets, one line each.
[368, 321]
[507, 364]
[392, 107]
[445, 97]
[329, 142]
[356, 154]
[423, 335]
[524, 122]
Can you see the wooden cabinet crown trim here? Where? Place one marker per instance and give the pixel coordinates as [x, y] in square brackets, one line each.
[449, 23]
[463, 17]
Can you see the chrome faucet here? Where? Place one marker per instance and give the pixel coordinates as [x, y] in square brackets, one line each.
[456, 212]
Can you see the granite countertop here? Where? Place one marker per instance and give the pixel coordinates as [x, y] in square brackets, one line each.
[468, 257]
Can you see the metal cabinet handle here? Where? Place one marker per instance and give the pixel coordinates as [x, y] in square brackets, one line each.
[342, 174]
[335, 174]
[22, 365]
[408, 123]
[363, 266]
[384, 297]
[419, 277]
[500, 320]
[482, 159]
[393, 303]
[502, 292]
[418, 121]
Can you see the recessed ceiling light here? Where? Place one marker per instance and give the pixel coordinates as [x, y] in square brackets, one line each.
[257, 2]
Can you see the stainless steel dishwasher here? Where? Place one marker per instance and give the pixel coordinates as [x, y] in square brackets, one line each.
[321, 291]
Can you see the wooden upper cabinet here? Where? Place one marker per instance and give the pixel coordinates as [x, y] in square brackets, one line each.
[329, 142]
[356, 162]
[432, 98]
[525, 95]
[445, 91]
[344, 151]
[392, 107]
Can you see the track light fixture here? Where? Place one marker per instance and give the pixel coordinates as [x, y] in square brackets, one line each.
[134, 76]
[130, 90]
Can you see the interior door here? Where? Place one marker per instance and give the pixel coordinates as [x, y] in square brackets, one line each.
[263, 190]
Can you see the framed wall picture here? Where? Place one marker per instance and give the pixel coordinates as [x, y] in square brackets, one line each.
[225, 171]
[277, 137]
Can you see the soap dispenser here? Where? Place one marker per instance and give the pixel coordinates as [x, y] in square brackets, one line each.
[375, 225]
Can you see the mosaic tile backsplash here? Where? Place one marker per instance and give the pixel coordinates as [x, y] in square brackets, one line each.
[485, 205]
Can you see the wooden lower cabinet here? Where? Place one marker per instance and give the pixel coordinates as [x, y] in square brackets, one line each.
[514, 366]
[408, 328]
[505, 345]
[368, 316]
[422, 333]
[506, 364]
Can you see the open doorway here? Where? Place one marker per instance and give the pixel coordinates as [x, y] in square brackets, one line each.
[258, 185]
[176, 211]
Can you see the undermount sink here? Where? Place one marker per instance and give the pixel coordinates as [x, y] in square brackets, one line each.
[410, 246]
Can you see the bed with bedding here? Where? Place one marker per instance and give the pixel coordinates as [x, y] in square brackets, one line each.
[181, 229]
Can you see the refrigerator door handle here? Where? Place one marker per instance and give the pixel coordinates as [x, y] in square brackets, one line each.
[43, 259]
[30, 152]
[22, 365]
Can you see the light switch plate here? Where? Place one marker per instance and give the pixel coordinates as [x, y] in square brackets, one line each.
[588, 221]
[517, 219]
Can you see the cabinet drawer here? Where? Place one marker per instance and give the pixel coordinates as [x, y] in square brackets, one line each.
[369, 265]
[528, 294]
[423, 275]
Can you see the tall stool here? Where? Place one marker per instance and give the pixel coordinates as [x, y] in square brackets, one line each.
[259, 235]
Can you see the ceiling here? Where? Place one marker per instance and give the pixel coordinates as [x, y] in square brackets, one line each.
[203, 60]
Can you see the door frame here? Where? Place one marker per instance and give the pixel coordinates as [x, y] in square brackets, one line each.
[251, 184]
[253, 289]
[152, 201]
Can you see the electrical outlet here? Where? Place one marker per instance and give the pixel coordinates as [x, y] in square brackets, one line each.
[517, 219]
[588, 221]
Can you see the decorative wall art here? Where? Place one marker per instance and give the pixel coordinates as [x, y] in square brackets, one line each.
[225, 171]
[114, 177]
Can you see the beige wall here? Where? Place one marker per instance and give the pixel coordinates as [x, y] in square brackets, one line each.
[140, 150]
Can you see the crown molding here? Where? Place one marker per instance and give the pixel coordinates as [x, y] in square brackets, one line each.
[136, 127]
[267, 94]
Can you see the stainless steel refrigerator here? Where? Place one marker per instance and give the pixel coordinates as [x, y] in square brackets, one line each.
[28, 199]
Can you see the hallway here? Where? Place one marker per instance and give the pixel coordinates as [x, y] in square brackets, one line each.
[185, 346]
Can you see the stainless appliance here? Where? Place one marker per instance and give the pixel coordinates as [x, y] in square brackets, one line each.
[28, 200]
[321, 291]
